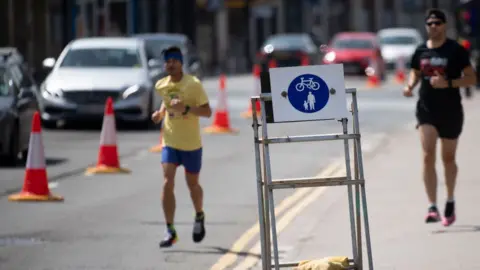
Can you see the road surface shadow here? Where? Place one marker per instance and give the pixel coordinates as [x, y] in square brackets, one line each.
[50, 161]
[215, 250]
[459, 229]
[190, 223]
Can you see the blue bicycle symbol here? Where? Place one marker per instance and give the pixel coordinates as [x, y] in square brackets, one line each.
[309, 83]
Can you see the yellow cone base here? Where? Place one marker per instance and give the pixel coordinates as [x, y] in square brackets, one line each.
[156, 149]
[249, 114]
[219, 130]
[105, 170]
[29, 197]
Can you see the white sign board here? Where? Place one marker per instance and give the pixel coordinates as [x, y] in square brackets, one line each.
[308, 93]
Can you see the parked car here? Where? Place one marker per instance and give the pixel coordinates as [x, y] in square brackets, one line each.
[356, 51]
[88, 71]
[398, 42]
[18, 103]
[157, 42]
[286, 50]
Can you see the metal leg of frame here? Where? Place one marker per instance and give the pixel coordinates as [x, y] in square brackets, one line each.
[350, 193]
[361, 175]
[358, 207]
[269, 191]
[260, 197]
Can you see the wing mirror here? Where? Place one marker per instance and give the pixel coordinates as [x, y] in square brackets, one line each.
[154, 63]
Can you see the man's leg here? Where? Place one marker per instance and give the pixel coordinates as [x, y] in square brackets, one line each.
[428, 137]
[449, 142]
[193, 164]
[170, 162]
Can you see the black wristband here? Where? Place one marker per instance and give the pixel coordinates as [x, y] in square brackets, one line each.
[450, 84]
[187, 109]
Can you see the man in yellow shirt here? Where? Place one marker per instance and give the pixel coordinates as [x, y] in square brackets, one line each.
[184, 101]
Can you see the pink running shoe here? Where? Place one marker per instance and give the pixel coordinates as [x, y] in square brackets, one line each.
[447, 221]
[432, 216]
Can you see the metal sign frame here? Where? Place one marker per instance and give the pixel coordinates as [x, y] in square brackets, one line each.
[266, 185]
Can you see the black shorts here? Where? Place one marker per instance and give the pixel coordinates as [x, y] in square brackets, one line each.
[449, 122]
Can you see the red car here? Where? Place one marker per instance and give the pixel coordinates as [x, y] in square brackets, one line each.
[357, 51]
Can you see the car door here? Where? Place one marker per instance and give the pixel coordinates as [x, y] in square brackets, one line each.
[26, 101]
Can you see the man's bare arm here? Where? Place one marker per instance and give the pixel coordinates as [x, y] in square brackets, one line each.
[413, 78]
[469, 78]
[203, 110]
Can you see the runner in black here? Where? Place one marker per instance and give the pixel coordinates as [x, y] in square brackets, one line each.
[442, 66]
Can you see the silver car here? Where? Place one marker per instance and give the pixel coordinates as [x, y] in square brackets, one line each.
[88, 71]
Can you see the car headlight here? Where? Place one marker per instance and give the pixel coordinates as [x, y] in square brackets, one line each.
[51, 93]
[330, 56]
[133, 91]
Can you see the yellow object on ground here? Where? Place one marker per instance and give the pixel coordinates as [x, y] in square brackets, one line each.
[329, 263]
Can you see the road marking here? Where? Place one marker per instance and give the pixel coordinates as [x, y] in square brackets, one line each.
[242, 242]
[52, 185]
[250, 262]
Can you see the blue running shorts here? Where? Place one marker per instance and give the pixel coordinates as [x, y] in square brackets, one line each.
[191, 160]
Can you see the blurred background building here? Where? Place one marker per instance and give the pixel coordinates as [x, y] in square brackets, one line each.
[226, 32]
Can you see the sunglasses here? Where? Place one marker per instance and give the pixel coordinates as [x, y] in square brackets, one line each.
[437, 23]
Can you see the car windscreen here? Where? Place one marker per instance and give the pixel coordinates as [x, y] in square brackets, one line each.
[155, 47]
[352, 43]
[102, 57]
[287, 42]
[397, 40]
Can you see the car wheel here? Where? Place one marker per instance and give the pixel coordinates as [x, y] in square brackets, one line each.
[147, 122]
[48, 124]
[11, 158]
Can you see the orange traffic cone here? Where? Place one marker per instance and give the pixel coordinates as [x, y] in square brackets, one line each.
[35, 183]
[372, 74]
[400, 71]
[108, 160]
[221, 122]
[158, 148]
[256, 78]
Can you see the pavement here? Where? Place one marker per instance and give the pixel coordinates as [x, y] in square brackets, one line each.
[397, 205]
[116, 221]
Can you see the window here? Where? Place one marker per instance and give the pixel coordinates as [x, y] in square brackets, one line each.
[102, 57]
[397, 40]
[4, 89]
[345, 43]
[155, 48]
[288, 41]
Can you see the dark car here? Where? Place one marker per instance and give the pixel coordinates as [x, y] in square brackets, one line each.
[155, 43]
[18, 103]
[287, 50]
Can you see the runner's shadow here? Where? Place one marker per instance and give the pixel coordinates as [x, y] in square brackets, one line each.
[215, 250]
[459, 229]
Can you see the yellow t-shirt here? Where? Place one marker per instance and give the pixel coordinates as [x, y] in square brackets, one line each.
[180, 131]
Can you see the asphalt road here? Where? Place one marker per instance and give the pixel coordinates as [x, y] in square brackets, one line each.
[116, 221]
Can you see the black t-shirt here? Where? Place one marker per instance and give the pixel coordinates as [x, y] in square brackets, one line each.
[449, 60]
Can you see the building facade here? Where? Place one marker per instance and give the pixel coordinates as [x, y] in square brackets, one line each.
[227, 33]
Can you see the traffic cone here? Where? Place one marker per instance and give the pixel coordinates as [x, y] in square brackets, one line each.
[108, 160]
[256, 91]
[400, 71]
[221, 122]
[158, 148]
[372, 74]
[35, 183]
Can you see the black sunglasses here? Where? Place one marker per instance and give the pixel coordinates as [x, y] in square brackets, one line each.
[437, 23]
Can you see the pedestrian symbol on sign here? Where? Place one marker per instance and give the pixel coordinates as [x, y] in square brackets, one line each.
[308, 93]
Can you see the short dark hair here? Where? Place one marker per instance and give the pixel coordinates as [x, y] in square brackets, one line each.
[436, 13]
[172, 49]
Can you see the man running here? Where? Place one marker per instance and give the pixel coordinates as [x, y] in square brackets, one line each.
[439, 64]
[184, 101]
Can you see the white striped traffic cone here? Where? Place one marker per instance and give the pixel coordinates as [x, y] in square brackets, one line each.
[35, 183]
[108, 160]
